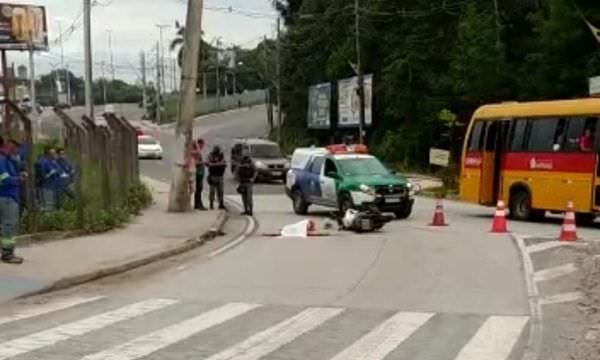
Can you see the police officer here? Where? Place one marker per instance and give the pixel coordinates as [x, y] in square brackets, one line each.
[10, 183]
[246, 174]
[216, 169]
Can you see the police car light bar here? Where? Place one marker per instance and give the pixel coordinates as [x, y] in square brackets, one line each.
[347, 149]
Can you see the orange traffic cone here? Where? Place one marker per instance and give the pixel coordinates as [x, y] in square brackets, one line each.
[499, 222]
[569, 230]
[438, 215]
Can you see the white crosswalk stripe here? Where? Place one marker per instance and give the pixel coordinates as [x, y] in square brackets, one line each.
[63, 332]
[160, 339]
[268, 330]
[495, 339]
[47, 308]
[275, 337]
[386, 337]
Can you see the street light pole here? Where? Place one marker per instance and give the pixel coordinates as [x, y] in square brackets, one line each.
[279, 110]
[87, 39]
[361, 85]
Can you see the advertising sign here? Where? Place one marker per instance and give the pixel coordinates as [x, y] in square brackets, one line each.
[594, 83]
[349, 102]
[23, 27]
[439, 157]
[319, 106]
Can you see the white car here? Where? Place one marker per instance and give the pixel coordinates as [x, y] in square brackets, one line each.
[149, 148]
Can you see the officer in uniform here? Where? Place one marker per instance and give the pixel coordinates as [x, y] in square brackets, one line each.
[197, 148]
[216, 170]
[10, 184]
[246, 174]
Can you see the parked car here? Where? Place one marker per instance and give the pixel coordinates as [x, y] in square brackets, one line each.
[268, 159]
[149, 148]
[344, 177]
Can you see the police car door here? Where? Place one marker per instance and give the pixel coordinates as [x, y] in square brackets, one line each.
[327, 180]
[313, 186]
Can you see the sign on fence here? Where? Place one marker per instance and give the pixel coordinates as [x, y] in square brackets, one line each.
[594, 86]
[439, 157]
[349, 101]
[319, 106]
[23, 27]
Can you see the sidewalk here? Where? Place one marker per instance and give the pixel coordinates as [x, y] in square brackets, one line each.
[149, 237]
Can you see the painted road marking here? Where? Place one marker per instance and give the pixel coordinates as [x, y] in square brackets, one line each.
[561, 298]
[495, 339]
[271, 339]
[386, 337]
[50, 307]
[148, 344]
[64, 332]
[554, 272]
[547, 245]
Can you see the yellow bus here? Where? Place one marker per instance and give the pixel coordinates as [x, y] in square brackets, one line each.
[535, 156]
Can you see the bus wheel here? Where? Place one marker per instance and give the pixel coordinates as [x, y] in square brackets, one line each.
[585, 218]
[520, 206]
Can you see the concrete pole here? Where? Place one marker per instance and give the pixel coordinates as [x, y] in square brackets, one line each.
[143, 67]
[180, 195]
[158, 87]
[32, 96]
[279, 110]
[87, 39]
[361, 83]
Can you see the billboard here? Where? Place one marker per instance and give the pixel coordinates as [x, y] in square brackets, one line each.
[349, 102]
[23, 27]
[319, 106]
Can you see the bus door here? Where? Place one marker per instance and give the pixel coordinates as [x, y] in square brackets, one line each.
[596, 187]
[470, 180]
[493, 146]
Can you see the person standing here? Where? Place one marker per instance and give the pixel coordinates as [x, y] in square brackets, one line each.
[67, 174]
[198, 146]
[216, 170]
[10, 184]
[246, 174]
[48, 178]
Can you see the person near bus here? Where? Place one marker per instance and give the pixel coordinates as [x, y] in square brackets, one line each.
[10, 184]
[216, 170]
[246, 174]
[197, 148]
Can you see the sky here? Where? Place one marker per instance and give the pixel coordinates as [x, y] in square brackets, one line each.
[132, 25]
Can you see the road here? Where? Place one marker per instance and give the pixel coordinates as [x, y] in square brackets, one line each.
[409, 292]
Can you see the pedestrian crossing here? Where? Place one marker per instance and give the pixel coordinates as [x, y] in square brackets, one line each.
[104, 328]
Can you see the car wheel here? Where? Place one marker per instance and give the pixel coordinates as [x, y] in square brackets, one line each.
[520, 206]
[300, 205]
[403, 213]
[346, 204]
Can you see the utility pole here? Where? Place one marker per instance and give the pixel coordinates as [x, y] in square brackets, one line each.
[279, 110]
[143, 67]
[361, 84]
[62, 58]
[103, 83]
[158, 88]
[110, 49]
[162, 54]
[218, 75]
[32, 95]
[179, 199]
[68, 85]
[87, 39]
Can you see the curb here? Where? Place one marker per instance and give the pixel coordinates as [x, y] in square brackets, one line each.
[536, 325]
[68, 282]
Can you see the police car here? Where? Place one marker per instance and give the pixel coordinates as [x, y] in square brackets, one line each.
[346, 177]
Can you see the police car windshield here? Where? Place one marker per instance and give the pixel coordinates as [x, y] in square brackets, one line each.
[266, 151]
[362, 166]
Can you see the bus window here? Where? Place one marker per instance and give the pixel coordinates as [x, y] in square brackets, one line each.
[575, 129]
[492, 136]
[559, 135]
[517, 135]
[541, 135]
[476, 140]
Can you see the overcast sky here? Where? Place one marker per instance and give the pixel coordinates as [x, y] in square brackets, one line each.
[133, 25]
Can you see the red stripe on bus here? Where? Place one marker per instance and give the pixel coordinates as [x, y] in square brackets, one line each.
[473, 160]
[562, 162]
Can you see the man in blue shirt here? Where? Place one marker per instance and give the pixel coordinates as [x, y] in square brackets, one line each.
[67, 174]
[48, 178]
[10, 183]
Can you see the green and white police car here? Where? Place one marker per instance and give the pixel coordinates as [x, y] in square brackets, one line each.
[346, 177]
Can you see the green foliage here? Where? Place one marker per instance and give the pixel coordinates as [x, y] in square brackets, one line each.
[434, 58]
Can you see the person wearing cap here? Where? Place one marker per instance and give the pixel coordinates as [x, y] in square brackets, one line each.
[48, 179]
[10, 184]
[216, 169]
[197, 148]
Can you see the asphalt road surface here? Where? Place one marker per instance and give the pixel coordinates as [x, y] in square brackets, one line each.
[409, 292]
